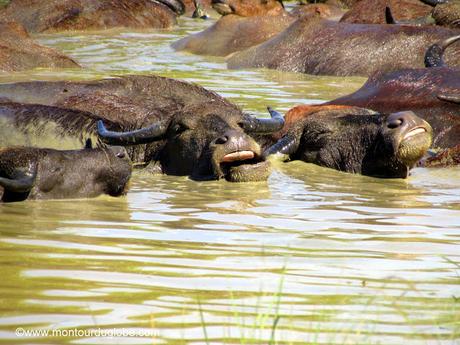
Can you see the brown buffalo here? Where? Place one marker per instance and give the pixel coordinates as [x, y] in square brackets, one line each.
[243, 26]
[409, 12]
[354, 140]
[433, 93]
[180, 128]
[373, 11]
[19, 52]
[444, 158]
[323, 47]
[447, 14]
[61, 15]
[37, 173]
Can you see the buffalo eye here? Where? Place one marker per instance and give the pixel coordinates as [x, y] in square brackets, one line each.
[179, 128]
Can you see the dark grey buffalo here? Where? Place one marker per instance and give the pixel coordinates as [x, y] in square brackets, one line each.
[176, 127]
[354, 140]
[37, 173]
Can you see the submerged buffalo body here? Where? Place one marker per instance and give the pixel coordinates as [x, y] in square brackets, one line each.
[329, 48]
[433, 93]
[19, 52]
[180, 128]
[406, 12]
[247, 23]
[354, 140]
[34, 173]
[373, 11]
[244, 23]
[59, 15]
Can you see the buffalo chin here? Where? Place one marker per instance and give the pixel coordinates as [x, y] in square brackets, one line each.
[254, 170]
[413, 147]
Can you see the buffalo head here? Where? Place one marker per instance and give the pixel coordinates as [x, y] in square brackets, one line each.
[34, 173]
[203, 143]
[355, 140]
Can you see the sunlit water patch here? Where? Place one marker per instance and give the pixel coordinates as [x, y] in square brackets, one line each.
[311, 256]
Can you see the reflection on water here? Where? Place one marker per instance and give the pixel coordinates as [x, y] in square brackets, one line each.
[311, 256]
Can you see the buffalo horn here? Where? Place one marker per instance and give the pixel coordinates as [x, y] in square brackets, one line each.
[449, 98]
[433, 56]
[254, 125]
[140, 136]
[287, 145]
[21, 184]
[177, 6]
[434, 2]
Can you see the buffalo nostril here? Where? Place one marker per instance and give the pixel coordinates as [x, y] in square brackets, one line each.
[221, 140]
[395, 123]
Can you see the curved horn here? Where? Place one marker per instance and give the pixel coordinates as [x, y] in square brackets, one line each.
[22, 184]
[433, 2]
[449, 98]
[140, 136]
[177, 6]
[433, 55]
[255, 125]
[287, 145]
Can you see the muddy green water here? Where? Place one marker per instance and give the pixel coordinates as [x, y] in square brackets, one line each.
[311, 256]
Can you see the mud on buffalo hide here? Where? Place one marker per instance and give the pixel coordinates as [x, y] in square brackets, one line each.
[19, 52]
[353, 139]
[233, 33]
[181, 128]
[373, 11]
[328, 48]
[59, 15]
[124, 103]
[35, 173]
[429, 92]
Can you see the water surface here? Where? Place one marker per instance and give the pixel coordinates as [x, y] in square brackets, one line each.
[311, 256]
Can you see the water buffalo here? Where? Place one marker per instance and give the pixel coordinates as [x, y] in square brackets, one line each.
[323, 47]
[409, 12]
[243, 26]
[19, 52]
[433, 93]
[188, 130]
[373, 11]
[354, 140]
[37, 173]
[445, 158]
[60, 15]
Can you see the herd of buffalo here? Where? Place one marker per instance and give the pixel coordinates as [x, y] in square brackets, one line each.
[406, 114]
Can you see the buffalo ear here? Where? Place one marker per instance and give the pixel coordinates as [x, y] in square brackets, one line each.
[449, 97]
[88, 144]
[389, 19]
